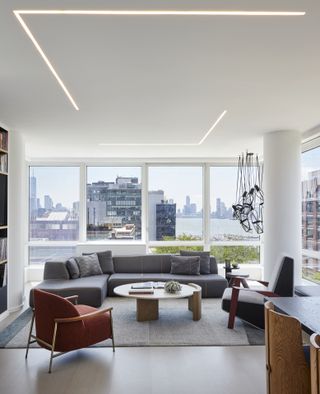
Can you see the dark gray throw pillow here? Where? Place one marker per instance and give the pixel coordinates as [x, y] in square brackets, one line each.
[105, 260]
[73, 268]
[185, 265]
[89, 265]
[204, 260]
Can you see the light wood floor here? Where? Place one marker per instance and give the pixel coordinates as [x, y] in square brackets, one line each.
[179, 370]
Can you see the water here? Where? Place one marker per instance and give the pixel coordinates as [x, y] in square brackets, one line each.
[220, 229]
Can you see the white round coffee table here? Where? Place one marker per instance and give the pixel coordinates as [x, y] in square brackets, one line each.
[148, 304]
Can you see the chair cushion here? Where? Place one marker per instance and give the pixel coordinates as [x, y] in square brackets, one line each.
[204, 260]
[250, 297]
[185, 265]
[89, 265]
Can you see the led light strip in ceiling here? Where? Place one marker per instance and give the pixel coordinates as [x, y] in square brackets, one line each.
[174, 144]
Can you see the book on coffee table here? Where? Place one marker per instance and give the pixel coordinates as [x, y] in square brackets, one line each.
[141, 291]
[143, 285]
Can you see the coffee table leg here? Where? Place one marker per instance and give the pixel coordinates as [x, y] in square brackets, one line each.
[147, 310]
[194, 302]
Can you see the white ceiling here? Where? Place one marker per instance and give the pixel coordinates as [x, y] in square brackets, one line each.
[159, 79]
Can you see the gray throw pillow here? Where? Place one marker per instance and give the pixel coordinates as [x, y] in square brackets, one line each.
[89, 265]
[73, 268]
[185, 265]
[204, 260]
[105, 260]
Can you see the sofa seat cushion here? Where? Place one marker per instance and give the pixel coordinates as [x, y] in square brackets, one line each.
[91, 290]
[250, 306]
[212, 285]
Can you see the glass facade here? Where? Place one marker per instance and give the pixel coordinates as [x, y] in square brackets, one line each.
[310, 222]
[114, 203]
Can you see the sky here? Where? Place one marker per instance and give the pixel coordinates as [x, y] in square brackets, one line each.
[62, 183]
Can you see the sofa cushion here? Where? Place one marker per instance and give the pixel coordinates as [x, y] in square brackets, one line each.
[105, 261]
[92, 290]
[185, 265]
[72, 267]
[89, 265]
[56, 269]
[204, 260]
[127, 264]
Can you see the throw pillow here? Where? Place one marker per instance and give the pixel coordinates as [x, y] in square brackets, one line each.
[105, 260]
[73, 268]
[204, 260]
[89, 265]
[185, 265]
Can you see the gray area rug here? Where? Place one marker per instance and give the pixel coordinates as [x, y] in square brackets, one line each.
[175, 327]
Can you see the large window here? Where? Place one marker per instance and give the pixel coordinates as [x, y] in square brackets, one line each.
[41, 254]
[114, 203]
[311, 215]
[53, 203]
[175, 203]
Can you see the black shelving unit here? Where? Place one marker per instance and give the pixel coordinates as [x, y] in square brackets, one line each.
[3, 219]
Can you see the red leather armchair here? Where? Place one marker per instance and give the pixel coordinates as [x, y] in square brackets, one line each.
[62, 326]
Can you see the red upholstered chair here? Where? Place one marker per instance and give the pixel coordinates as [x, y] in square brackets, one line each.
[62, 326]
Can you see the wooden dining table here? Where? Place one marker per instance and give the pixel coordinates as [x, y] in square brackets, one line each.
[305, 309]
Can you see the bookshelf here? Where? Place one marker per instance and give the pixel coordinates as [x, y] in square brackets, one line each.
[3, 219]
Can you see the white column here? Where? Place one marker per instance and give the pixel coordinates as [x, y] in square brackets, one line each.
[17, 206]
[282, 190]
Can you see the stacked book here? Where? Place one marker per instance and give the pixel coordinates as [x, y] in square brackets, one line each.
[4, 163]
[3, 249]
[142, 288]
[3, 141]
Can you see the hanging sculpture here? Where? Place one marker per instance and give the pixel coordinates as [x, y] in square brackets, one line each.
[249, 196]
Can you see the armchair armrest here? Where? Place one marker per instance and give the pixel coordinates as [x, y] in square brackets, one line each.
[82, 317]
[266, 293]
[73, 299]
[264, 283]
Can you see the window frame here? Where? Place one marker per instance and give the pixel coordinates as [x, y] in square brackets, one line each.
[144, 164]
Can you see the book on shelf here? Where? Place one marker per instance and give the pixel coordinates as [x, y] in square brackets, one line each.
[3, 249]
[3, 140]
[4, 163]
[141, 291]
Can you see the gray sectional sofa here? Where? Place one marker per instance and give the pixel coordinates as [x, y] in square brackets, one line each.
[92, 290]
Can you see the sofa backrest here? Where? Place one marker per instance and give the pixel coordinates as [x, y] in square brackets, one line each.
[56, 270]
[150, 263]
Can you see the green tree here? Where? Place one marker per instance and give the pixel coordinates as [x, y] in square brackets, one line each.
[236, 254]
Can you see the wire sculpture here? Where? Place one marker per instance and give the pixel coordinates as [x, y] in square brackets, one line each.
[248, 208]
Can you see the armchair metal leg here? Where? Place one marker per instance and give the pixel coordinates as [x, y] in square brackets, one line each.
[112, 334]
[30, 333]
[53, 345]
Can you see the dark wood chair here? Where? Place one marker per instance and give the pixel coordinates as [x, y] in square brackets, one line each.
[62, 326]
[248, 303]
[315, 363]
[288, 371]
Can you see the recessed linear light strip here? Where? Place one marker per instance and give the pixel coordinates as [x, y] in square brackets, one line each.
[174, 144]
[163, 12]
[46, 60]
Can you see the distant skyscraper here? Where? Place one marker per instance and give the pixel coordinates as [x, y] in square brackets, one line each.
[188, 201]
[48, 203]
[155, 197]
[166, 221]
[33, 197]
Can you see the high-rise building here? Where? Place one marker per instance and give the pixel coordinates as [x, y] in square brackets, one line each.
[154, 197]
[48, 203]
[165, 220]
[114, 204]
[33, 197]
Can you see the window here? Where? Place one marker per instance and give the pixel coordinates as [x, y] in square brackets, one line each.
[41, 254]
[175, 203]
[114, 203]
[311, 215]
[236, 254]
[53, 203]
[223, 184]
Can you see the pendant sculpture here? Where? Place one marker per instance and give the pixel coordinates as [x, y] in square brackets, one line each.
[248, 208]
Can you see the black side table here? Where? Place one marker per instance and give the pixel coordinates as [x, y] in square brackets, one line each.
[228, 270]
